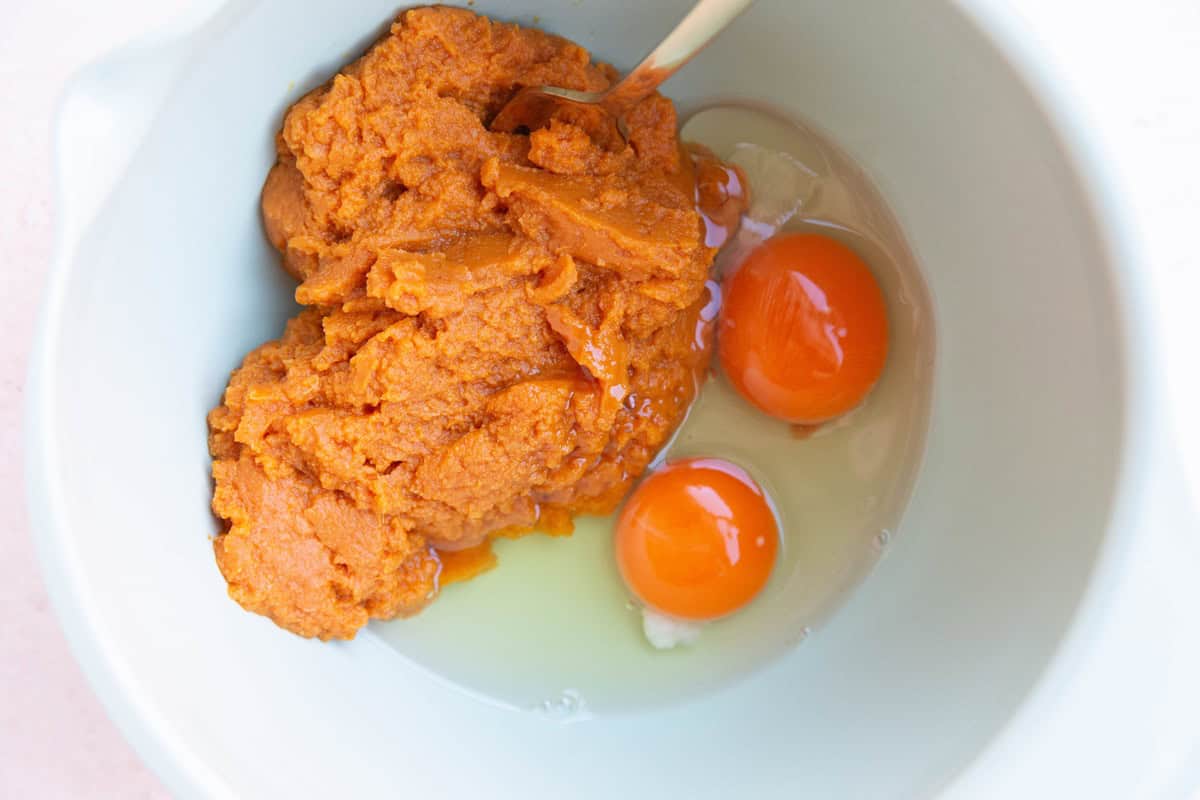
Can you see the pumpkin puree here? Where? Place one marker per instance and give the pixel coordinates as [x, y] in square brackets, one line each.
[500, 329]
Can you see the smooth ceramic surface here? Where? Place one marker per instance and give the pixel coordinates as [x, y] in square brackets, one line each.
[1040, 460]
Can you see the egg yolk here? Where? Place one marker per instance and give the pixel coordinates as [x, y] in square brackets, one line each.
[803, 332]
[697, 539]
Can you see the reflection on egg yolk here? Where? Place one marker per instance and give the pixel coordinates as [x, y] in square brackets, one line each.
[803, 332]
[697, 539]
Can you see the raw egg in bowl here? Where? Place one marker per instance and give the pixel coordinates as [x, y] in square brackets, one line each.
[979, 475]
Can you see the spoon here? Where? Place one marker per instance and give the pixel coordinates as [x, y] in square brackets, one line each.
[532, 106]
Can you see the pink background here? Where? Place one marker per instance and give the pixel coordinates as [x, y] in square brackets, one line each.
[55, 739]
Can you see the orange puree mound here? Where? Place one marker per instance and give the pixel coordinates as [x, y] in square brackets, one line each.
[500, 328]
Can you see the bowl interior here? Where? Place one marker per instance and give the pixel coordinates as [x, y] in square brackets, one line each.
[174, 282]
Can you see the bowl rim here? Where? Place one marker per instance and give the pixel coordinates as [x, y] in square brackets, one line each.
[1118, 240]
[1141, 382]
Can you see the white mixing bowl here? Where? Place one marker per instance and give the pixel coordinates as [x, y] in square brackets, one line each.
[1003, 647]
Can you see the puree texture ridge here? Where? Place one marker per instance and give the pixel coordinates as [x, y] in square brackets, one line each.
[500, 330]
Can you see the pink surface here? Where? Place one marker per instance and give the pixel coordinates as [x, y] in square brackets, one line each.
[55, 739]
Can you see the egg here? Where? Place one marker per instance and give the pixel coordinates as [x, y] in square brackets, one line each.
[577, 630]
[803, 332]
[697, 539]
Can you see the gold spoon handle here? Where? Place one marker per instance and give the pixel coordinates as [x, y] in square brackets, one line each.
[706, 19]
